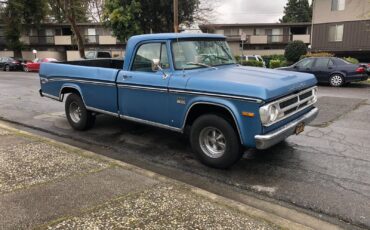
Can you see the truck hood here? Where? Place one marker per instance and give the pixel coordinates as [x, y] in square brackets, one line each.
[262, 83]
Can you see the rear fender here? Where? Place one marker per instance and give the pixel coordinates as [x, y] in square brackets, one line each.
[66, 87]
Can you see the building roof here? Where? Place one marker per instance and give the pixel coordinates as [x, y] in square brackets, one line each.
[255, 24]
[166, 36]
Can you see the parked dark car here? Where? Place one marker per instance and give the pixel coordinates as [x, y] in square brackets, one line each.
[332, 70]
[10, 63]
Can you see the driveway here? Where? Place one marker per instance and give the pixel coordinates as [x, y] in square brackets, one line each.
[326, 170]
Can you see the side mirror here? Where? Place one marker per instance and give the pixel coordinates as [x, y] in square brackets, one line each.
[156, 65]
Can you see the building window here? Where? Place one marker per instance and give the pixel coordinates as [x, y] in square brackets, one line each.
[260, 32]
[336, 33]
[231, 32]
[338, 5]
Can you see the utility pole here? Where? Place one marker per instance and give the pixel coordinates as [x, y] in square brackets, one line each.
[176, 15]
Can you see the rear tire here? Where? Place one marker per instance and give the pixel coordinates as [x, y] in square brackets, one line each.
[215, 141]
[336, 80]
[77, 114]
[7, 68]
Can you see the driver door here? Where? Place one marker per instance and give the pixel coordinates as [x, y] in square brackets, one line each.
[142, 91]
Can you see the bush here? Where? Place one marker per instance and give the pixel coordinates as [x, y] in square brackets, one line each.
[279, 57]
[275, 64]
[294, 50]
[252, 63]
[237, 58]
[320, 54]
[351, 60]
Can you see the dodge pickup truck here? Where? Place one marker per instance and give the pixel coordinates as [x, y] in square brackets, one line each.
[187, 82]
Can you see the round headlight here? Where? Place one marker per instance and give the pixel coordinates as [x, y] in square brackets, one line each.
[314, 96]
[274, 113]
[264, 114]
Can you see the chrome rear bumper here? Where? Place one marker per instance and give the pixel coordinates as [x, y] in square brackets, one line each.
[267, 140]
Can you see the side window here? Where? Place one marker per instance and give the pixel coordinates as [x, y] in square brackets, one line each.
[145, 55]
[104, 55]
[322, 62]
[331, 62]
[90, 55]
[306, 63]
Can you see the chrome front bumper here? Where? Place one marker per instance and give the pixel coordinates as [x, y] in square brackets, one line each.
[276, 136]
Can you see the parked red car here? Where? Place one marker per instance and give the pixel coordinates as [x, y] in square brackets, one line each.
[34, 66]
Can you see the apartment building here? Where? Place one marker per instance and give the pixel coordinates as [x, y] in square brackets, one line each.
[342, 27]
[56, 40]
[261, 38]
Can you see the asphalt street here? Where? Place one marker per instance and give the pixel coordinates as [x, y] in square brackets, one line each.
[325, 170]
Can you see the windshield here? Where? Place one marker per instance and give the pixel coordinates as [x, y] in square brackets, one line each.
[201, 54]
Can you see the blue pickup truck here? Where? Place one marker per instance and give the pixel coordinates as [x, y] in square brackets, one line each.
[187, 82]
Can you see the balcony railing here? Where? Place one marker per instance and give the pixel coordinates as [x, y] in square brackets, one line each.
[41, 40]
[279, 38]
[91, 39]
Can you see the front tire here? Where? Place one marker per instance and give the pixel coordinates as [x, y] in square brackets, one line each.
[77, 114]
[7, 68]
[215, 141]
[336, 80]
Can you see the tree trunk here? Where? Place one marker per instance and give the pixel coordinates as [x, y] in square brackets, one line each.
[79, 37]
[17, 53]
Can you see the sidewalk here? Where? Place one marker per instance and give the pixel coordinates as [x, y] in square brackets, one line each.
[45, 184]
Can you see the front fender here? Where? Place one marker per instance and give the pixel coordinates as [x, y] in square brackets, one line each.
[247, 126]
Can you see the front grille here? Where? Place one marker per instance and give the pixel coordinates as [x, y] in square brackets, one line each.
[295, 102]
[288, 102]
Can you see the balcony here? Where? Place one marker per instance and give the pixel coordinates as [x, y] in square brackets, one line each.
[41, 40]
[63, 40]
[258, 39]
[278, 39]
[91, 39]
[306, 38]
[107, 40]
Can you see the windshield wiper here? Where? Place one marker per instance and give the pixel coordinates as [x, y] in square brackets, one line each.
[200, 64]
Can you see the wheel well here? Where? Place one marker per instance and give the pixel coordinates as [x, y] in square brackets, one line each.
[201, 109]
[67, 90]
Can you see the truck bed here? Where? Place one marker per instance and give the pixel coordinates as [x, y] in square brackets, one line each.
[111, 63]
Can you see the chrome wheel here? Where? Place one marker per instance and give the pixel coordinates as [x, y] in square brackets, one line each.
[7, 68]
[75, 112]
[212, 142]
[336, 80]
[25, 69]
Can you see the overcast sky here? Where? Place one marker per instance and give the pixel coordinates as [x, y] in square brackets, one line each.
[248, 11]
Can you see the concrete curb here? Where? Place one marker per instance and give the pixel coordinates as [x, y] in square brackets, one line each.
[273, 213]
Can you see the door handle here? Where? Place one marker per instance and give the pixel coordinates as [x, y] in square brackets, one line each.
[125, 77]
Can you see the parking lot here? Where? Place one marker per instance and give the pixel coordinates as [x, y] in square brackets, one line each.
[324, 171]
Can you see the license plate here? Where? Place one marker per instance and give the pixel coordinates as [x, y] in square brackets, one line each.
[299, 128]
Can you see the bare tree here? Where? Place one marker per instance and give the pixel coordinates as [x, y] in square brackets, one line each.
[96, 10]
[69, 10]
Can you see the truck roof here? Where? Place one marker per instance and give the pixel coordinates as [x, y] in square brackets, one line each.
[166, 36]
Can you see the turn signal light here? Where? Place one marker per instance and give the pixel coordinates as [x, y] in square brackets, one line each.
[247, 114]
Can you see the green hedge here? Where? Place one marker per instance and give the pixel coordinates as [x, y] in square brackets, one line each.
[275, 64]
[351, 60]
[252, 63]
